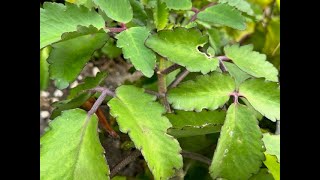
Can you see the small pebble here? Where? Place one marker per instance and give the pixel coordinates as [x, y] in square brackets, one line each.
[44, 114]
[80, 77]
[74, 84]
[54, 100]
[95, 70]
[44, 93]
[58, 93]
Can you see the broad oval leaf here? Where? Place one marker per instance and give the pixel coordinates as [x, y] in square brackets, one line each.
[241, 5]
[68, 57]
[57, 19]
[186, 123]
[138, 115]
[251, 61]
[132, 43]
[207, 91]
[264, 96]
[272, 144]
[71, 149]
[180, 46]
[223, 14]
[239, 152]
[179, 4]
[118, 10]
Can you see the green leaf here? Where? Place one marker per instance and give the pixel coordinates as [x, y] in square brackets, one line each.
[180, 46]
[207, 91]
[241, 5]
[264, 96]
[56, 19]
[111, 50]
[71, 149]
[140, 16]
[179, 4]
[258, 115]
[44, 66]
[118, 10]
[89, 83]
[138, 115]
[252, 62]
[235, 72]
[272, 144]
[160, 15]
[215, 39]
[263, 174]
[223, 14]
[186, 123]
[239, 152]
[69, 104]
[87, 3]
[132, 43]
[68, 57]
[273, 166]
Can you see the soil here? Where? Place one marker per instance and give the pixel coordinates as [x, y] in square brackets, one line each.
[118, 73]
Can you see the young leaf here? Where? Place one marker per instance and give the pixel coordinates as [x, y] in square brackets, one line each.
[138, 115]
[223, 14]
[180, 46]
[89, 83]
[264, 96]
[118, 10]
[207, 91]
[241, 5]
[238, 75]
[273, 166]
[272, 144]
[251, 61]
[160, 15]
[179, 4]
[68, 57]
[69, 104]
[185, 123]
[70, 149]
[132, 43]
[239, 152]
[56, 19]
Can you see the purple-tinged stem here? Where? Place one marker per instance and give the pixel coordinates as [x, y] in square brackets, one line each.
[99, 101]
[179, 78]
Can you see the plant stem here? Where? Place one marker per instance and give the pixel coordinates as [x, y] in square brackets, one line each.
[152, 92]
[170, 69]
[162, 85]
[194, 17]
[179, 78]
[222, 66]
[195, 156]
[127, 160]
[114, 30]
[101, 98]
